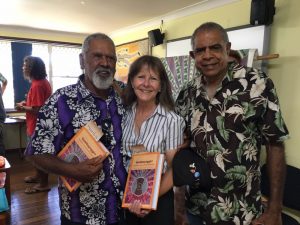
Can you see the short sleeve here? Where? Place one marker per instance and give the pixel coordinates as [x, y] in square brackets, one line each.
[273, 128]
[182, 103]
[46, 132]
[174, 137]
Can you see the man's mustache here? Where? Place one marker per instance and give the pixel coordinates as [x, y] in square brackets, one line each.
[105, 70]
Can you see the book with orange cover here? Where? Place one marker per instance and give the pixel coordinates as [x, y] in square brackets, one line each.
[143, 181]
[83, 145]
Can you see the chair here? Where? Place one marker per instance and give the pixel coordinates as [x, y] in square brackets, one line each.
[291, 196]
[6, 169]
[4, 216]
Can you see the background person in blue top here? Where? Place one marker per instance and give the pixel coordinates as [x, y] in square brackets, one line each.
[152, 125]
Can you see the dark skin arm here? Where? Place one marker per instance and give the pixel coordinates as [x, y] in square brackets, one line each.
[84, 171]
[22, 106]
[276, 167]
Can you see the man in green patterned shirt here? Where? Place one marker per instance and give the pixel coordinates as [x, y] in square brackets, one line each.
[230, 111]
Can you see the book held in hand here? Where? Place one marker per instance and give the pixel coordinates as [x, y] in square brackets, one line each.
[83, 145]
[143, 181]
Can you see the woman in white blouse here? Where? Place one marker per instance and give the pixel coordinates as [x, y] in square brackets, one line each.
[151, 123]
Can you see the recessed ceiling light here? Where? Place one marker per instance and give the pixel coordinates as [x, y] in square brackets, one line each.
[82, 2]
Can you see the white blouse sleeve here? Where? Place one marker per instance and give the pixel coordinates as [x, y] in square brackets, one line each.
[174, 136]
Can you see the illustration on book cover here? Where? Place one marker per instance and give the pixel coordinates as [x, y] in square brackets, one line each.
[141, 185]
[73, 154]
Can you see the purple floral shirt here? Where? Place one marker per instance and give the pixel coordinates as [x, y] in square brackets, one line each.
[65, 112]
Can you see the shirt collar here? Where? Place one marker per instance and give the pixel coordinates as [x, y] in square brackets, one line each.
[36, 81]
[234, 70]
[83, 92]
[159, 109]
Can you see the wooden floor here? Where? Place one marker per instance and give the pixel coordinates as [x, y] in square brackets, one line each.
[42, 208]
[34, 209]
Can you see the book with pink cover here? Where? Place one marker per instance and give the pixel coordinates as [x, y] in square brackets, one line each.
[143, 181]
[83, 145]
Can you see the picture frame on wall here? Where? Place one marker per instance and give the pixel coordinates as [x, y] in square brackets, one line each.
[126, 54]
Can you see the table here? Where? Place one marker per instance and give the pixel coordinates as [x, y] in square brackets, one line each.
[9, 123]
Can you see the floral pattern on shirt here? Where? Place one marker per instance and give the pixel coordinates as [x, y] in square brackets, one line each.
[65, 112]
[228, 130]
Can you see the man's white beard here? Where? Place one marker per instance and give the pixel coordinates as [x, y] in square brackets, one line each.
[102, 83]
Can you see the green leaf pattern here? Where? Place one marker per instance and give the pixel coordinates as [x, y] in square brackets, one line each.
[228, 130]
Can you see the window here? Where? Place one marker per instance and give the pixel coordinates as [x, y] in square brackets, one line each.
[62, 66]
[42, 51]
[6, 70]
[62, 63]
[65, 66]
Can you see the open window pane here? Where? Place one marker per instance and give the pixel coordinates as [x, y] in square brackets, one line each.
[65, 66]
[6, 70]
[41, 50]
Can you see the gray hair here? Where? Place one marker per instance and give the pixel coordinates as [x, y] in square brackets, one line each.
[99, 36]
[210, 26]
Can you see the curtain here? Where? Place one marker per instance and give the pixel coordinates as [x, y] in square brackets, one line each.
[21, 86]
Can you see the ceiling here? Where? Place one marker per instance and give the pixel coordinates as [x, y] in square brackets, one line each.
[88, 16]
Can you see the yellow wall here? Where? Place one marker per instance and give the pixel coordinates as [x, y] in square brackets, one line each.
[284, 71]
[185, 26]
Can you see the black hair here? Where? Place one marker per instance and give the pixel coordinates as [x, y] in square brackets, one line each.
[36, 66]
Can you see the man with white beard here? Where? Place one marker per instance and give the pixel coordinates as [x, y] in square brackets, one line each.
[94, 97]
